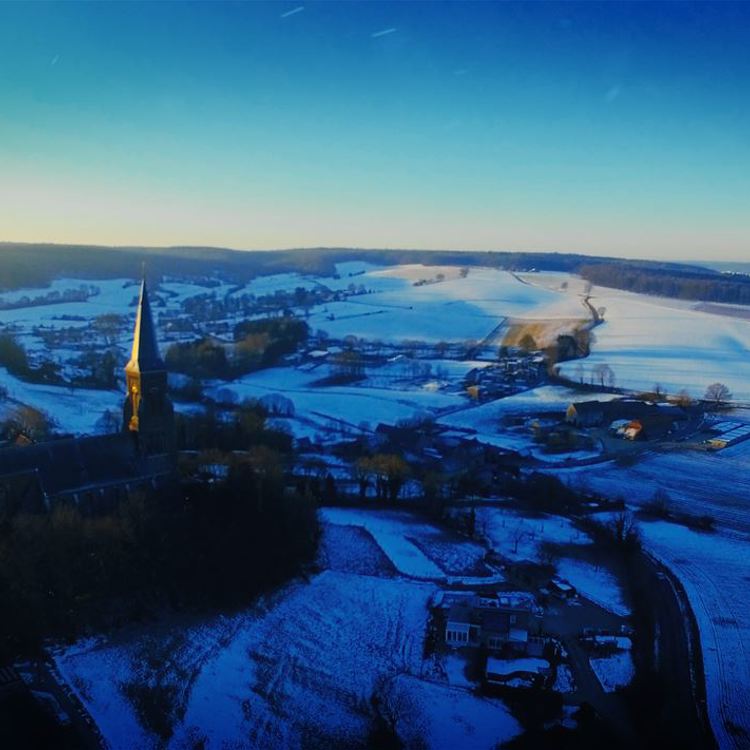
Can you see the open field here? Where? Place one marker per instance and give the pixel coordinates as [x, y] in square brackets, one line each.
[456, 309]
[648, 340]
[354, 405]
[697, 481]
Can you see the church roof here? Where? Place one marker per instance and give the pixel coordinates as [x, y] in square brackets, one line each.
[71, 464]
[145, 356]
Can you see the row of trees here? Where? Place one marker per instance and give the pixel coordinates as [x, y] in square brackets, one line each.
[257, 344]
[385, 472]
[710, 287]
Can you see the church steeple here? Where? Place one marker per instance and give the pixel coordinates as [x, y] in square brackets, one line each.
[145, 355]
[148, 412]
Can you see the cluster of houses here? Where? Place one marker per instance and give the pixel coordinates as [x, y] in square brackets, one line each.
[630, 419]
[505, 378]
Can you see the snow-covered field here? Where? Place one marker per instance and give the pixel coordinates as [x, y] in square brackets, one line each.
[713, 568]
[451, 717]
[648, 340]
[697, 482]
[456, 309]
[78, 410]
[353, 406]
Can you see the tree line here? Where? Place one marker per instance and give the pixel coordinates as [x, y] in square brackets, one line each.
[36, 265]
[707, 286]
[257, 344]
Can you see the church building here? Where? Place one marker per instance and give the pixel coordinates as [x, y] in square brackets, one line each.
[95, 473]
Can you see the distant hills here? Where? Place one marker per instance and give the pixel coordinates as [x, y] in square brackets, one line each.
[36, 265]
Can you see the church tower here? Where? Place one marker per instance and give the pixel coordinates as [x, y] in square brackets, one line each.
[148, 414]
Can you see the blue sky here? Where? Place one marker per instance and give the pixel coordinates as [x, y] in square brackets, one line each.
[612, 128]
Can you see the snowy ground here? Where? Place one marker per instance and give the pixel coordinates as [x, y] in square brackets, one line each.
[457, 309]
[519, 537]
[351, 407]
[302, 666]
[595, 583]
[613, 671]
[714, 571]
[78, 410]
[648, 340]
[697, 482]
[416, 549]
[485, 421]
[644, 340]
[564, 681]
[296, 670]
[453, 717]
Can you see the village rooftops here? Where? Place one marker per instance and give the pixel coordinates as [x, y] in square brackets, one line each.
[501, 618]
[512, 600]
[508, 600]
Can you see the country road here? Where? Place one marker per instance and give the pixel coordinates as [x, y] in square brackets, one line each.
[676, 657]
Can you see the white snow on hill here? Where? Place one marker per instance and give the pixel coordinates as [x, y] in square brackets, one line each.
[457, 309]
[297, 669]
[648, 340]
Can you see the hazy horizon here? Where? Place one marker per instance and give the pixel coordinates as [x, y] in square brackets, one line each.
[616, 129]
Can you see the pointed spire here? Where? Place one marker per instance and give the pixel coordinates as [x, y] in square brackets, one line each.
[145, 356]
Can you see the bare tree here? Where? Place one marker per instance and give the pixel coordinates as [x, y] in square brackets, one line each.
[604, 374]
[399, 712]
[547, 553]
[717, 394]
[623, 529]
[660, 504]
[517, 535]
[683, 398]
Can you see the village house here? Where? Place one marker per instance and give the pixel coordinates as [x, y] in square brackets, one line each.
[629, 418]
[504, 621]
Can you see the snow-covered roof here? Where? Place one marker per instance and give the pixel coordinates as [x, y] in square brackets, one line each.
[503, 667]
